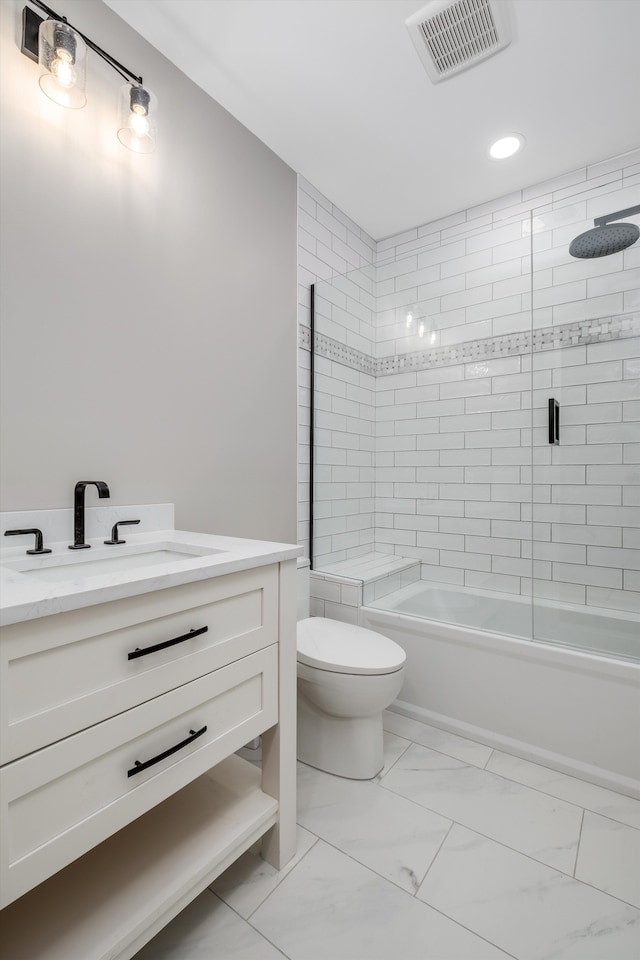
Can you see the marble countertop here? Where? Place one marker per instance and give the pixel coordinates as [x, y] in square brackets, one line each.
[24, 596]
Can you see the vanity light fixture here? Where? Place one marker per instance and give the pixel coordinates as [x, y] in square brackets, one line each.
[137, 129]
[62, 55]
[506, 146]
[61, 51]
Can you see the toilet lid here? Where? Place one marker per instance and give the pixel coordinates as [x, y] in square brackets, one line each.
[346, 648]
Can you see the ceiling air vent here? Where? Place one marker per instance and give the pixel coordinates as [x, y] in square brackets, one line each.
[453, 35]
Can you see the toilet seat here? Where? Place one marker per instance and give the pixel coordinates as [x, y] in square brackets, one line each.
[346, 648]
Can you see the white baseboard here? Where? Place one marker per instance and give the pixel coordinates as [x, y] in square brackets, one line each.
[527, 751]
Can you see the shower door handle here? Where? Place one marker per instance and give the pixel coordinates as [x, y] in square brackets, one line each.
[554, 421]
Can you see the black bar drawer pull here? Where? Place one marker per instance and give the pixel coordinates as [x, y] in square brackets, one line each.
[139, 767]
[166, 643]
[554, 421]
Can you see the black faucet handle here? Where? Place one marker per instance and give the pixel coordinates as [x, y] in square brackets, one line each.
[39, 548]
[114, 530]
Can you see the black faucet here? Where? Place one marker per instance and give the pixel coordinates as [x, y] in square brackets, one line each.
[78, 510]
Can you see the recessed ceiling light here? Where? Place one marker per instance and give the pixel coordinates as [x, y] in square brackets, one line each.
[506, 146]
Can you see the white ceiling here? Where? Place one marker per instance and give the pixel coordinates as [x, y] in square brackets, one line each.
[336, 89]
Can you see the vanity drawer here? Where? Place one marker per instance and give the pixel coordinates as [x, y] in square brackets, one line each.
[66, 672]
[61, 801]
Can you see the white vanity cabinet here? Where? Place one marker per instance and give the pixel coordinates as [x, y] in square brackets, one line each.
[120, 794]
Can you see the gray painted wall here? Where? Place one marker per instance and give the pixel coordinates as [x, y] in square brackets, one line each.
[148, 303]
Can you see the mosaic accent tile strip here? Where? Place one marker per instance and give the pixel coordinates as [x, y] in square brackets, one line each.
[340, 352]
[545, 338]
[304, 337]
[587, 331]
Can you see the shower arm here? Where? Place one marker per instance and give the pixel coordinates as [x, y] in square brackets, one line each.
[629, 212]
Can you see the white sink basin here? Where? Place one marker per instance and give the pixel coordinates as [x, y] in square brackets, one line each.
[81, 565]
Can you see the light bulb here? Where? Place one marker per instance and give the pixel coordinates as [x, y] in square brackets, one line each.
[62, 55]
[421, 330]
[63, 71]
[409, 318]
[138, 118]
[139, 124]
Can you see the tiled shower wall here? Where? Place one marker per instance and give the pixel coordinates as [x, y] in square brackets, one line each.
[455, 440]
[330, 245]
[454, 423]
[455, 485]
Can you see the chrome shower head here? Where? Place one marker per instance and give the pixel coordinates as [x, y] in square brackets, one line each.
[606, 238]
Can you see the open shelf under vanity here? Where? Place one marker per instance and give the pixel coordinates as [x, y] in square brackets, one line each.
[109, 902]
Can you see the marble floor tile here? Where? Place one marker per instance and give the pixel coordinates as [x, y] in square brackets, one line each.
[468, 751]
[529, 821]
[394, 747]
[250, 880]
[609, 857]
[529, 910]
[331, 908]
[208, 930]
[493, 887]
[588, 795]
[393, 836]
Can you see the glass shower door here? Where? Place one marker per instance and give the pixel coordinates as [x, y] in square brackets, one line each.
[423, 425]
[586, 425]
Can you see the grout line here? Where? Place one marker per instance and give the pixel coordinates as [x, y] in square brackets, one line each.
[444, 840]
[540, 863]
[575, 862]
[413, 895]
[264, 937]
[350, 856]
[284, 874]
[377, 779]
[553, 796]
[470, 930]
[613, 896]
[479, 832]
[487, 761]
[556, 796]
[245, 920]
[280, 879]
[522, 853]
[427, 746]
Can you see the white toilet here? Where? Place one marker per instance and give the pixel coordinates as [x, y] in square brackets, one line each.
[347, 675]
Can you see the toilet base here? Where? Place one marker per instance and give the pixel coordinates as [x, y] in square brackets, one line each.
[349, 747]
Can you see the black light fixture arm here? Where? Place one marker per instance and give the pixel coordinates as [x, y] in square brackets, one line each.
[124, 72]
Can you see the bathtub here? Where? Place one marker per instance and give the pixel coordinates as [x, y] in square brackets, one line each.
[562, 700]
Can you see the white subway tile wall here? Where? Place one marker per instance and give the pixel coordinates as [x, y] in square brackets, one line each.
[330, 245]
[434, 370]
